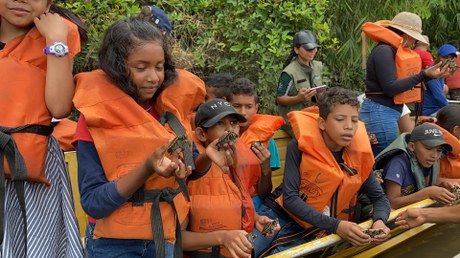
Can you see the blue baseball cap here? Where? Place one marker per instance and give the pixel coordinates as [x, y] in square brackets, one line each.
[161, 19]
[446, 50]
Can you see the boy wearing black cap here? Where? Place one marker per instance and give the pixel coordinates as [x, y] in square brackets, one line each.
[300, 74]
[221, 210]
[410, 167]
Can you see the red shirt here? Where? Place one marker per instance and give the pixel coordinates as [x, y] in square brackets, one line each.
[427, 58]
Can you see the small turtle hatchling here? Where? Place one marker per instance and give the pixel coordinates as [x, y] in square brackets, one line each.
[227, 137]
[268, 228]
[251, 236]
[256, 143]
[456, 192]
[450, 63]
[180, 141]
[374, 232]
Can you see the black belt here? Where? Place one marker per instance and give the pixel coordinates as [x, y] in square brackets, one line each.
[155, 197]
[18, 169]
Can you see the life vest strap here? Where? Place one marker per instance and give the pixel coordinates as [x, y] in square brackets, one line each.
[155, 197]
[9, 149]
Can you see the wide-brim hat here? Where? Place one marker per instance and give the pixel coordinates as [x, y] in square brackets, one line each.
[410, 24]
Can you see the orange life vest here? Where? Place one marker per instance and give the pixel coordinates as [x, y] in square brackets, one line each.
[261, 128]
[217, 202]
[322, 181]
[64, 131]
[182, 97]
[123, 142]
[248, 167]
[449, 166]
[407, 61]
[22, 98]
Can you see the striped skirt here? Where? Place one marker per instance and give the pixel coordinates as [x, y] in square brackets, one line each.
[52, 226]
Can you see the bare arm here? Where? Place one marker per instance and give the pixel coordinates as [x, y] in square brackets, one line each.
[264, 186]
[416, 217]
[60, 86]
[393, 192]
[405, 124]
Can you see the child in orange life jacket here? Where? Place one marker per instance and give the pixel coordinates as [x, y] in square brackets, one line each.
[37, 46]
[410, 167]
[221, 210]
[257, 133]
[134, 195]
[448, 119]
[326, 165]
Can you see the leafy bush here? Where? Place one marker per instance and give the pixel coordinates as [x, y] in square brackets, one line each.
[253, 38]
[98, 15]
[246, 38]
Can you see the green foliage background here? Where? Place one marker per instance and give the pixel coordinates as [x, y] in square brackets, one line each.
[252, 38]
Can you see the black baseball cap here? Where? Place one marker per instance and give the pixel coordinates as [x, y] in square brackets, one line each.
[212, 111]
[306, 39]
[430, 136]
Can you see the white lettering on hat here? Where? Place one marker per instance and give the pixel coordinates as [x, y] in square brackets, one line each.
[434, 132]
[157, 21]
[220, 104]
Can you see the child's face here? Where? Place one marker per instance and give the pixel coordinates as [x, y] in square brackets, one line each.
[146, 68]
[247, 106]
[226, 124]
[425, 157]
[22, 13]
[340, 126]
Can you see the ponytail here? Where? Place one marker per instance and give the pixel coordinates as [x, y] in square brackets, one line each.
[289, 58]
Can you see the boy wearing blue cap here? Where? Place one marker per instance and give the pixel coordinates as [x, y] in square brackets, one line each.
[434, 97]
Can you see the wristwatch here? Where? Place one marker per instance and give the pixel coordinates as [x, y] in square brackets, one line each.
[58, 49]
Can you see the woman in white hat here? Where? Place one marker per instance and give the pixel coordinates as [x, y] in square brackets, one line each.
[379, 111]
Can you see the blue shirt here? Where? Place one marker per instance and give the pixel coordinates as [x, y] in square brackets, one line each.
[398, 170]
[275, 162]
[434, 98]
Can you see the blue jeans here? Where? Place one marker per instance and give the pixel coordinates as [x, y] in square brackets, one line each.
[121, 248]
[381, 121]
[288, 227]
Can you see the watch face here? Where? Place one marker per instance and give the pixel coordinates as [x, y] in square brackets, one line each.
[60, 49]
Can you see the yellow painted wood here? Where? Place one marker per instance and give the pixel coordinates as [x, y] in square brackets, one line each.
[378, 249]
[71, 163]
[333, 239]
[281, 140]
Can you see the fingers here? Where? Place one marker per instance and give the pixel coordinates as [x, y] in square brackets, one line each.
[240, 246]
[360, 238]
[446, 196]
[261, 152]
